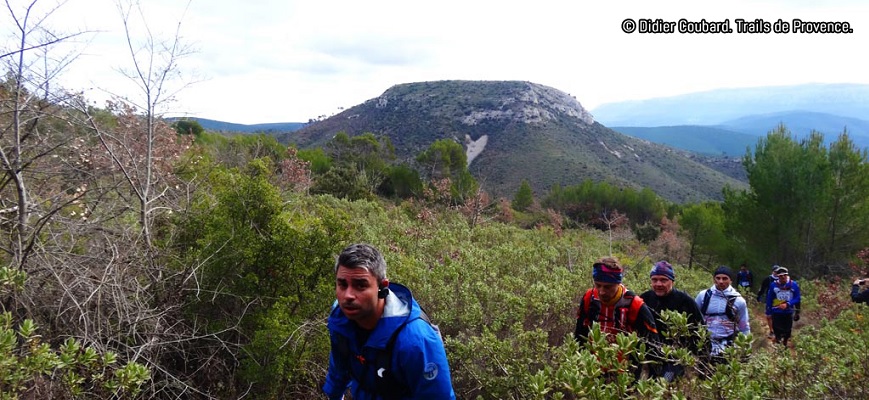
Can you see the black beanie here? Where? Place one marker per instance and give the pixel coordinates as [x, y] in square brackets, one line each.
[723, 269]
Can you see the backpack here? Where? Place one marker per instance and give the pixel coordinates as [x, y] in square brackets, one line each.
[629, 301]
[385, 383]
[729, 310]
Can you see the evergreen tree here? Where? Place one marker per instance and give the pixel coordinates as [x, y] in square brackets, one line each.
[846, 206]
[359, 166]
[443, 159]
[523, 198]
[804, 201]
[188, 127]
[703, 226]
[446, 159]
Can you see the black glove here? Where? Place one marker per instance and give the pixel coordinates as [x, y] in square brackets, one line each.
[797, 317]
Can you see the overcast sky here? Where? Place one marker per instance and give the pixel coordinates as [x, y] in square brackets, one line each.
[264, 61]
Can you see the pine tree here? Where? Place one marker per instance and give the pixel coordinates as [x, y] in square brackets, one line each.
[524, 197]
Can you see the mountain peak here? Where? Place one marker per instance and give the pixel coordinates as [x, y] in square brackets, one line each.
[514, 131]
[514, 101]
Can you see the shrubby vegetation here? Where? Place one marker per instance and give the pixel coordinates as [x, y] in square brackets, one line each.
[591, 203]
[68, 368]
[265, 273]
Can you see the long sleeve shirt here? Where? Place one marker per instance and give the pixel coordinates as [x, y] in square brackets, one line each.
[787, 293]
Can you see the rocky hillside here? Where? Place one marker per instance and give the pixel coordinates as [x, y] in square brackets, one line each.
[519, 130]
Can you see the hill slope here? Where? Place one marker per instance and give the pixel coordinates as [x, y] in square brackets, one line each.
[533, 132]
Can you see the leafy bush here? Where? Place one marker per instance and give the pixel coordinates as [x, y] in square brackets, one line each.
[266, 276]
[81, 371]
[28, 365]
[825, 363]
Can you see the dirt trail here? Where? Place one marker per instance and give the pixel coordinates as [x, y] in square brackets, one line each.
[760, 329]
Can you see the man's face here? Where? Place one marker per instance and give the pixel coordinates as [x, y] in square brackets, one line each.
[607, 291]
[356, 291]
[661, 285]
[782, 278]
[722, 281]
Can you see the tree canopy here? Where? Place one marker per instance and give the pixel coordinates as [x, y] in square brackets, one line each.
[807, 204]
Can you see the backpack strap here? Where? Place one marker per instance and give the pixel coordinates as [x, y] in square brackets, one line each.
[706, 297]
[386, 386]
[385, 383]
[627, 310]
[629, 301]
[729, 311]
[585, 313]
[634, 309]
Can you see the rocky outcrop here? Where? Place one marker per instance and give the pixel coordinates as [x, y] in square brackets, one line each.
[546, 98]
[473, 148]
[535, 104]
[477, 101]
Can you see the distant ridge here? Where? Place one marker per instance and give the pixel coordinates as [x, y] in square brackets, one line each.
[220, 126]
[801, 123]
[732, 138]
[714, 107]
[707, 140]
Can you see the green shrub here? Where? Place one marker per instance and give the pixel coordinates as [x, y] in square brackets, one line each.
[26, 362]
[267, 268]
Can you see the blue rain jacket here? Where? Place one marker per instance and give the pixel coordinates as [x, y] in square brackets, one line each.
[788, 293]
[418, 360]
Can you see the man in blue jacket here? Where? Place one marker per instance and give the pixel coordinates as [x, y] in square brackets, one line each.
[744, 278]
[761, 296]
[383, 346]
[856, 295]
[781, 302]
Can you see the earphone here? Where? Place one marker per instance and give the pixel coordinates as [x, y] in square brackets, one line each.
[383, 291]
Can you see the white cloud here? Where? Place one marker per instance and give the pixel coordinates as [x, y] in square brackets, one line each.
[280, 60]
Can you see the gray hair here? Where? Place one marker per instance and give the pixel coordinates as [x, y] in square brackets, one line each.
[363, 255]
